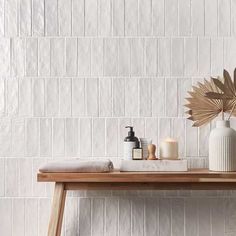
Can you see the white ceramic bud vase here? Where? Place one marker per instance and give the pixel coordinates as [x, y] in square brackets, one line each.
[222, 147]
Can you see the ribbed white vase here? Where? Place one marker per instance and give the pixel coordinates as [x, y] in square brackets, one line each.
[222, 147]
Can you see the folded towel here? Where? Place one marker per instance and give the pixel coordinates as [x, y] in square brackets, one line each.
[78, 165]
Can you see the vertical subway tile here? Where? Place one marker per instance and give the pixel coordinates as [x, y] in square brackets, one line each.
[118, 17]
[158, 17]
[151, 129]
[78, 97]
[105, 17]
[151, 57]
[164, 128]
[131, 97]
[65, 96]
[85, 137]
[6, 216]
[71, 137]
[92, 96]
[204, 56]
[111, 216]
[71, 56]
[184, 85]
[2, 97]
[57, 57]
[158, 96]
[229, 54]
[111, 137]
[97, 57]
[191, 139]
[18, 47]
[78, 17]
[2, 177]
[124, 57]
[12, 96]
[197, 20]
[177, 60]
[124, 217]
[31, 217]
[145, 103]
[110, 57]
[5, 56]
[45, 137]
[217, 213]
[233, 18]
[71, 216]
[131, 17]
[44, 56]
[145, 17]
[137, 54]
[84, 57]
[91, 17]
[2, 28]
[137, 216]
[32, 137]
[5, 137]
[25, 17]
[38, 9]
[171, 17]
[204, 132]
[184, 17]
[18, 137]
[216, 56]
[52, 97]
[84, 217]
[164, 217]
[210, 18]
[151, 217]
[11, 18]
[171, 101]
[25, 177]
[105, 97]
[98, 137]
[164, 52]
[58, 137]
[38, 96]
[178, 132]
[177, 216]
[31, 57]
[11, 178]
[118, 96]
[224, 9]
[18, 213]
[204, 216]
[191, 217]
[51, 17]
[139, 124]
[191, 56]
[64, 17]
[43, 213]
[25, 97]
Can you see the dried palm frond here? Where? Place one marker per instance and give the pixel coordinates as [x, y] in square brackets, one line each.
[203, 109]
[229, 91]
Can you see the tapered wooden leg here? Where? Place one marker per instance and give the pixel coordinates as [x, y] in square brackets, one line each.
[57, 210]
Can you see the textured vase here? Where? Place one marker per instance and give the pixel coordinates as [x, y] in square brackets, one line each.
[222, 147]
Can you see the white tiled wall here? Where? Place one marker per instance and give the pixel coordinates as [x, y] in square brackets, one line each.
[73, 73]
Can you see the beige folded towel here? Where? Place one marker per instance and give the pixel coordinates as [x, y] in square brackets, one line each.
[78, 165]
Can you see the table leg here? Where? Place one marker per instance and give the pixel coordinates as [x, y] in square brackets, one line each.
[57, 210]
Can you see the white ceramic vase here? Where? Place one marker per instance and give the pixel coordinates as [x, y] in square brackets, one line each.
[222, 147]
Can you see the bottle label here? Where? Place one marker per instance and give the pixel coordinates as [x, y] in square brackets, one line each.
[128, 149]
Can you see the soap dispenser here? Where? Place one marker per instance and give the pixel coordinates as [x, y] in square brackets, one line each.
[130, 142]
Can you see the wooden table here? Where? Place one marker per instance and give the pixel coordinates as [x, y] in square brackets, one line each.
[200, 179]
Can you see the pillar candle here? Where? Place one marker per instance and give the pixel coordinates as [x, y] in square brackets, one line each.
[169, 149]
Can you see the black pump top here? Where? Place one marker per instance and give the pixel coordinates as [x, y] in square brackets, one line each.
[131, 132]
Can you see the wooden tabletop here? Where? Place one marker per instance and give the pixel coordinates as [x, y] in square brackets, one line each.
[192, 179]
